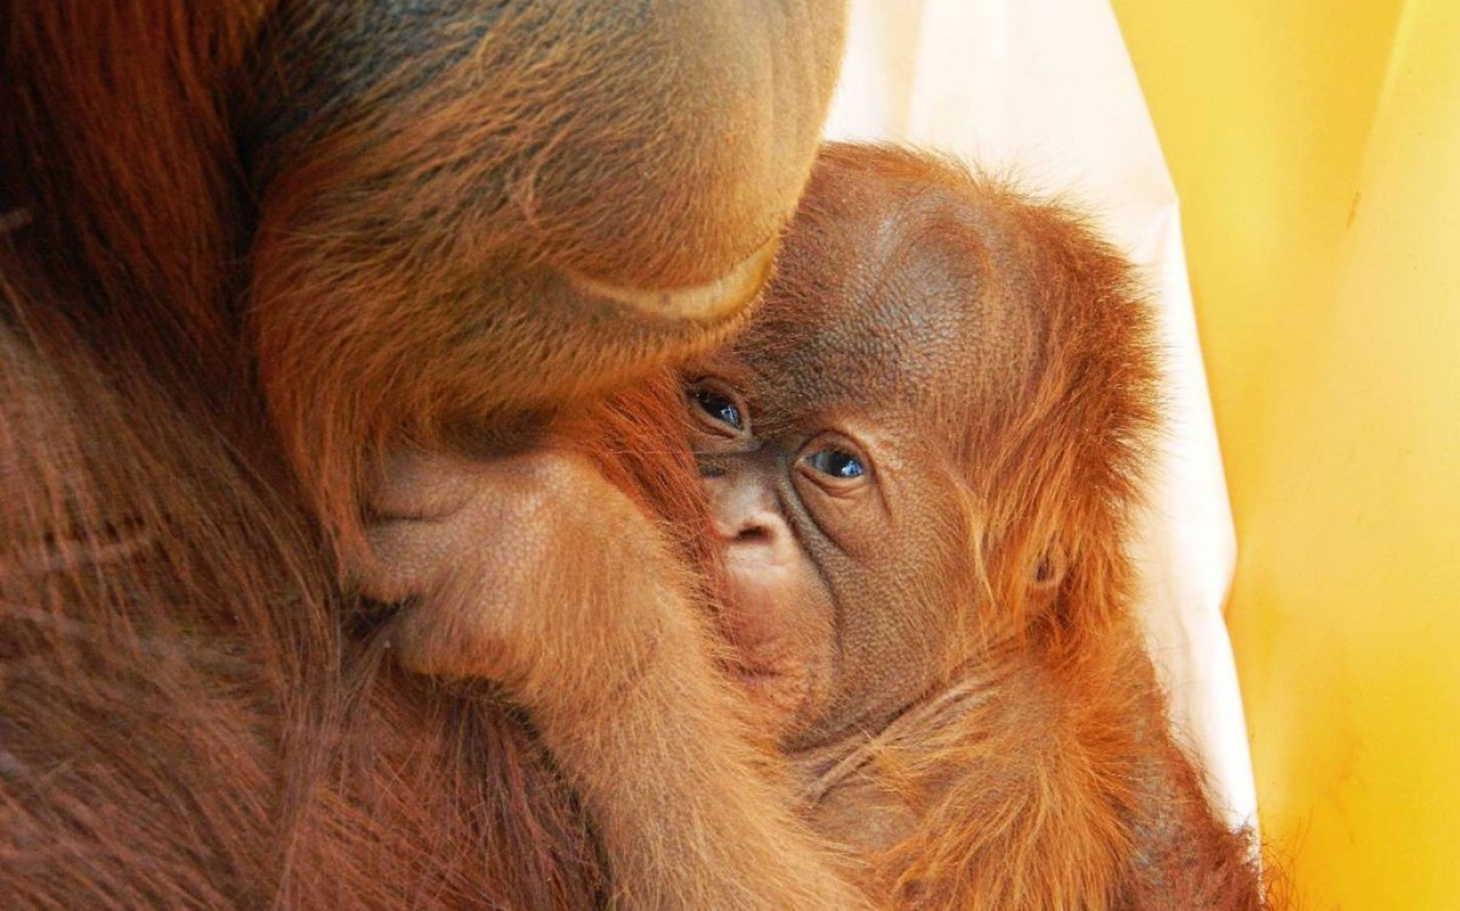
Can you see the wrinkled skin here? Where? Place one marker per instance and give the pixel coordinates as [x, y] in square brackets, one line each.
[251, 253]
[923, 457]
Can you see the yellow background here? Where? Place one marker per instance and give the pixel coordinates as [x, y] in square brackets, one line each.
[1315, 145]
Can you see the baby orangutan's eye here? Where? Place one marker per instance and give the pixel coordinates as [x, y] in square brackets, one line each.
[837, 463]
[719, 407]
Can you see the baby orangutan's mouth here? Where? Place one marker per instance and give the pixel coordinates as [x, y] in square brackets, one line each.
[756, 679]
[775, 693]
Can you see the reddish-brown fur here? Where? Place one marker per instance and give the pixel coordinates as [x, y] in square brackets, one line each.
[246, 249]
[988, 732]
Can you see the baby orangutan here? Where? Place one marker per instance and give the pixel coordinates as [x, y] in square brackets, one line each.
[923, 457]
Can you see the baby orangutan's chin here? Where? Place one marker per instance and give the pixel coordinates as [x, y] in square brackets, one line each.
[777, 650]
[775, 686]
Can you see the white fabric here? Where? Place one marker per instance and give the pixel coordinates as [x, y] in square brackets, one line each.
[1043, 90]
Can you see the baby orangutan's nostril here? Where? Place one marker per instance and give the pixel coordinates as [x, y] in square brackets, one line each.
[755, 533]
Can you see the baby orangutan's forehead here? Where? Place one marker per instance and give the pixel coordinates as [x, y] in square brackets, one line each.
[891, 355]
[921, 321]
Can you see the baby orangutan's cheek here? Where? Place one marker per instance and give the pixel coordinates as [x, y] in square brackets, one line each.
[780, 627]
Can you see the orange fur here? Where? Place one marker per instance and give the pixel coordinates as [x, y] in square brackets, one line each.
[689, 806]
[992, 364]
[247, 247]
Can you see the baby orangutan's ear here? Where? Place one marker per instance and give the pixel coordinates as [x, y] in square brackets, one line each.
[1047, 576]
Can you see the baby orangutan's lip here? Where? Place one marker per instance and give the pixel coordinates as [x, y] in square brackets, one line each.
[747, 670]
[757, 681]
[754, 676]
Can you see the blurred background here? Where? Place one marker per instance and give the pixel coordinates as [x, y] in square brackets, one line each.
[1315, 147]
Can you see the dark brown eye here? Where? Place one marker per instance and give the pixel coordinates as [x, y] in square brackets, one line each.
[719, 408]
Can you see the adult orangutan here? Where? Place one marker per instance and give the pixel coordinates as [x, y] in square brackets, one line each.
[252, 253]
[923, 457]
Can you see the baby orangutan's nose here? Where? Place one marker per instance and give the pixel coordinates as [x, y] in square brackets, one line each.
[747, 516]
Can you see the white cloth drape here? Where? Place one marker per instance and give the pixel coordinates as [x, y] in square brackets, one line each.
[1044, 91]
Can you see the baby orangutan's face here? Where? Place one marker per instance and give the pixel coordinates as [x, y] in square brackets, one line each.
[837, 437]
[845, 535]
